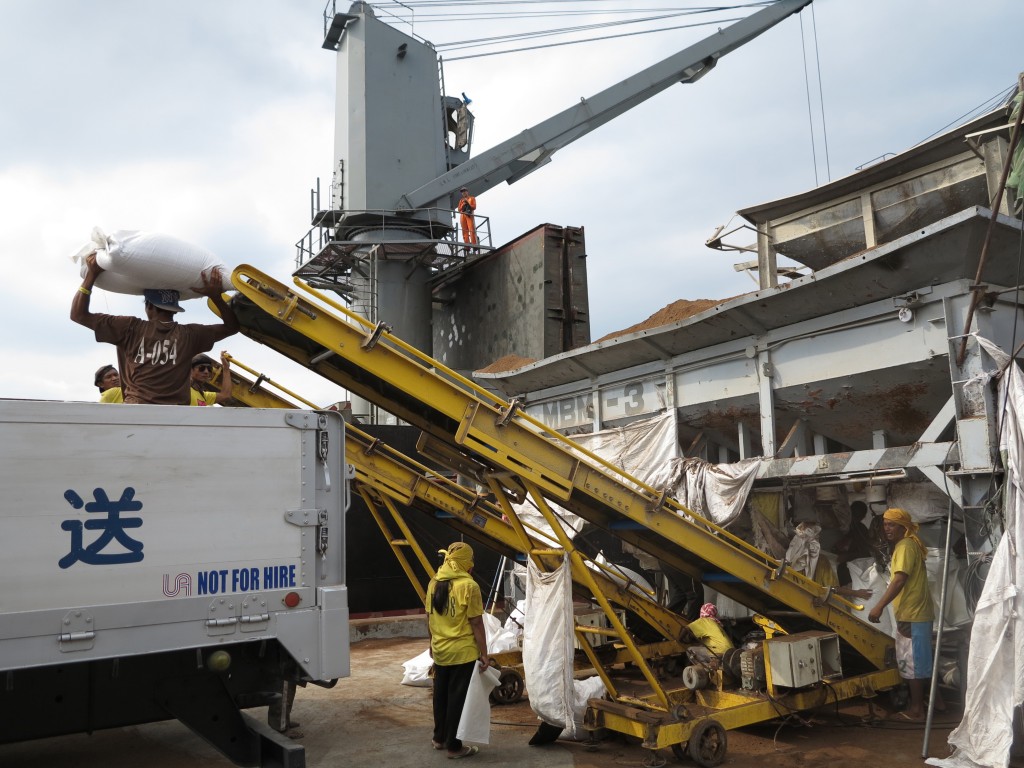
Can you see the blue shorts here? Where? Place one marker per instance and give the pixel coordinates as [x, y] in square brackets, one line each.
[914, 653]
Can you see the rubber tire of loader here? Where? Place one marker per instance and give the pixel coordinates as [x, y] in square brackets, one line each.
[509, 689]
[707, 744]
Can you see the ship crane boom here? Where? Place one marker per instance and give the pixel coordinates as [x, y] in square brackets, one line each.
[532, 148]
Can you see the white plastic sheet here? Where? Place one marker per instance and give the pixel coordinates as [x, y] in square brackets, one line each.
[995, 669]
[475, 722]
[957, 613]
[924, 502]
[531, 517]
[548, 645]
[717, 492]
[639, 448]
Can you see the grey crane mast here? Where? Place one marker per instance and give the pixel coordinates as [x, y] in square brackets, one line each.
[403, 150]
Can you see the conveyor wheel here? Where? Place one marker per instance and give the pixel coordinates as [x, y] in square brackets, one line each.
[695, 677]
[510, 688]
[707, 744]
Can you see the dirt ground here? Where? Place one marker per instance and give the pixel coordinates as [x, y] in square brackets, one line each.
[370, 719]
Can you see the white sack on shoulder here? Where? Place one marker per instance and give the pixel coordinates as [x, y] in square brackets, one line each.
[134, 261]
[475, 723]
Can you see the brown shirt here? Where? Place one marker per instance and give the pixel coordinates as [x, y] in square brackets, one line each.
[155, 358]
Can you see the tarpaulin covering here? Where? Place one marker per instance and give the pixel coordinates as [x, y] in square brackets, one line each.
[1015, 180]
[995, 668]
[640, 448]
[714, 491]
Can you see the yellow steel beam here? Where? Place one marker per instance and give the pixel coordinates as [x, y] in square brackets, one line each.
[392, 474]
[730, 710]
[254, 392]
[419, 390]
[396, 546]
[406, 481]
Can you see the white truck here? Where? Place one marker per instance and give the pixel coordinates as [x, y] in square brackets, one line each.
[169, 562]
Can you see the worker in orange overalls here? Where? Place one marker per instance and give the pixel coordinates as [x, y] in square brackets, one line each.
[467, 204]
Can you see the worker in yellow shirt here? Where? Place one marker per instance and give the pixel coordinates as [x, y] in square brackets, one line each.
[107, 378]
[201, 391]
[467, 204]
[914, 611]
[708, 631]
[458, 643]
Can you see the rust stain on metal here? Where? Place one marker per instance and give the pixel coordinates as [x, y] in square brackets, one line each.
[813, 401]
[726, 420]
[897, 405]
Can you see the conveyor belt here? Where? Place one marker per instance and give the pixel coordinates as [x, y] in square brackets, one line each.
[386, 478]
[504, 448]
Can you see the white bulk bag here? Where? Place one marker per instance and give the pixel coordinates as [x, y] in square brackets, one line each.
[134, 261]
[548, 644]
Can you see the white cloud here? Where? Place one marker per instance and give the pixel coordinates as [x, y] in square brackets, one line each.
[211, 121]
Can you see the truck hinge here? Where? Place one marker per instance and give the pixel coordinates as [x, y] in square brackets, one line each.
[254, 614]
[77, 632]
[311, 420]
[305, 518]
[222, 619]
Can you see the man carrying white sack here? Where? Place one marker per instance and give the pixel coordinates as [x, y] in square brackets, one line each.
[155, 355]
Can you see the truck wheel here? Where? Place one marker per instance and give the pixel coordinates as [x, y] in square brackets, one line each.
[707, 744]
[510, 688]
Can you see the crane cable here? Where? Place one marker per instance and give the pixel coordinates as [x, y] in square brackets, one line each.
[589, 40]
[821, 98]
[559, 31]
[673, 12]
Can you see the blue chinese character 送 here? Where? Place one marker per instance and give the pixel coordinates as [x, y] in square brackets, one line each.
[113, 527]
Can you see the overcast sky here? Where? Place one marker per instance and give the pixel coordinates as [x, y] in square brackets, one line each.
[211, 119]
